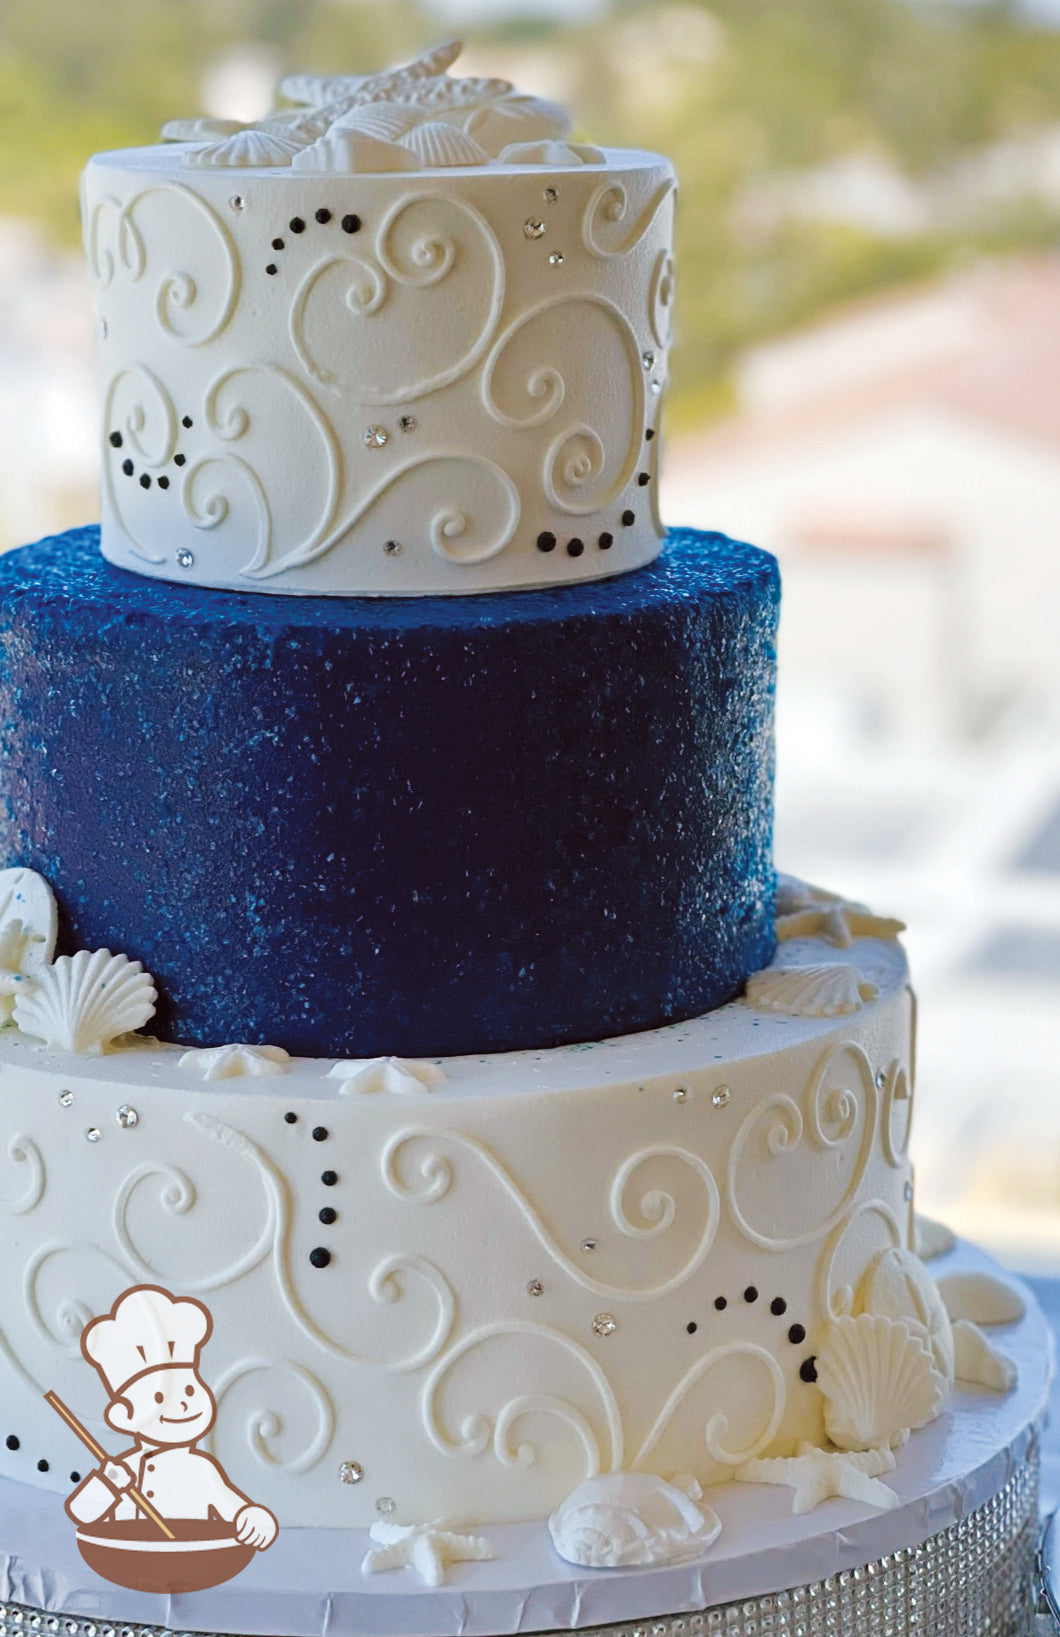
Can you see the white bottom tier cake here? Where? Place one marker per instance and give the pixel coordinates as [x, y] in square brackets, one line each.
[952, 1556]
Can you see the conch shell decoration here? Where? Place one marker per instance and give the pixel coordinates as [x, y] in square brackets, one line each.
[425, 119]
[623, 1519]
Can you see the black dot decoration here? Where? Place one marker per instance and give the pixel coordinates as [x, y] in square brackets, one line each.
[320, 1133]
[12, 1442]
[115, 440]
[797, 1335]
[272, 269]
[128, 468]
[629, 518]
[808, 1371]
[278, 244]
[323, 215]
[328, 1215]
[320, 1257]
[290, 1118]
[546, 541]
[720, 1303]
[650, 433]
[643, 478]
[606, 541]
[179, 460]
[692, 1327]
[296, 224]
[163, 482]
[351, 223]
[575, 547]
[187, 423]
[329, 1178]
[778, 1307]
[750, 1294]
[145, 480]
[42, 1466]
[75, 1477]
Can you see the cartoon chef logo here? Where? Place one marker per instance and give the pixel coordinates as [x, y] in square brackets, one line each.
[162, 1514]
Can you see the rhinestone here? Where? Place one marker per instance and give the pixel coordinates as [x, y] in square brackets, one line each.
[656, 387]
[556, 259]
[908, 1192]
[722, 1097]
[351, 1472]
[881, 1080]
[185, 558]
[104, 328]
[65, 1099]
[680, 1095]
[605, 1324]
[533, 227]
[407, 423]
[375, 437]
[648, 360]
[588, 1246]
[93, 1133]
[535, 1288]
[127, 1117]
[384, 1506]
[552, 194]
[238, 202]
[393, 548]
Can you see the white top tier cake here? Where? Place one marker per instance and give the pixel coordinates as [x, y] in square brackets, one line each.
[403, 337]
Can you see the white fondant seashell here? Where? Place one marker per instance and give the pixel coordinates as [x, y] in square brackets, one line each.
[200, 130]
[932, 1238]
[898, 1286]
[879, 1382]
[402, 1076]
[85, 1001]
[809, 991]
[352, 153]
[251, 149]
[234, 1061]
[29, 921]
[301, 125]
[981, 1298]
[438, 145]
[516, 118]
[388, 121]
[979, 1362]
[623, 1519]
[556, 154]
[794, 895]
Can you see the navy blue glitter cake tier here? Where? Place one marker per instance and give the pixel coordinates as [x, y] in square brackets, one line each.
[425, 826]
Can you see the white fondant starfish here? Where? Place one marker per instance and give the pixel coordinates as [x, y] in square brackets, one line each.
[803, 911]
[429, 1548]
[817, 1474]
[403, 1075]
[230, 1062]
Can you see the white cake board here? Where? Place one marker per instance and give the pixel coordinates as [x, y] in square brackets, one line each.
[310, 1583]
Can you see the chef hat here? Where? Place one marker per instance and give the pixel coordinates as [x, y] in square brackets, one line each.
[146, 1329]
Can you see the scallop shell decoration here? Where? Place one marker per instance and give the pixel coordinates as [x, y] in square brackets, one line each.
[441, 146]
[251, 149]
[388, 121]
[809, 991]
[200, 130]
[879, 1382]
[624, 1519]
[898, 1286]
[83, 1002]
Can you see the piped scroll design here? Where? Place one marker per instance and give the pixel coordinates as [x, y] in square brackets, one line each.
[386, 1282]
[23, 1151]
[138, 406]
[283, 410]
[657, 1207]
[193, 304]
[478, 1432]
[263, 1427]
[412, 257]
[836, 1115]
[579, 475]
[71, 1313]
[177, 1196]
[838, 1303]
[608, 209]
[897, 1095]
[661, 299]
[717, 1424]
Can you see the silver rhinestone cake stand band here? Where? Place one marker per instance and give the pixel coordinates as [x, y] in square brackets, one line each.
[969, 1580]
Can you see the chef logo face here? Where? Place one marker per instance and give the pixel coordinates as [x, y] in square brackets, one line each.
[167, 1406]
[159, 1514]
